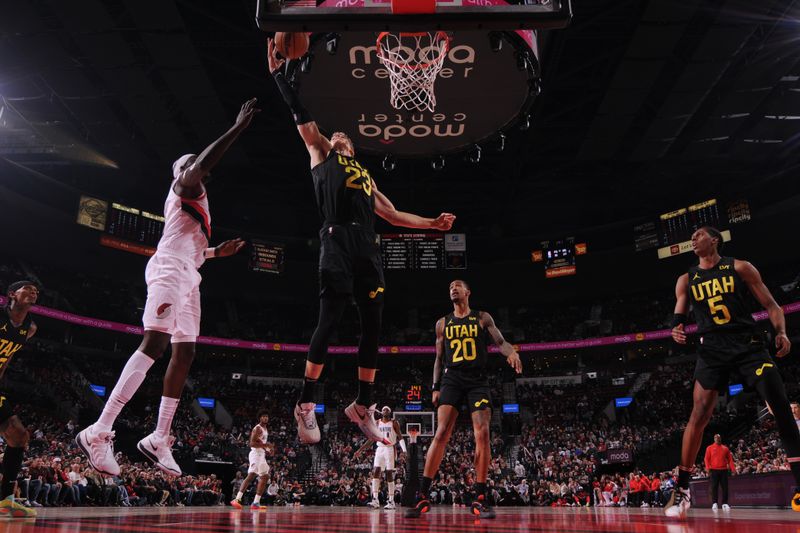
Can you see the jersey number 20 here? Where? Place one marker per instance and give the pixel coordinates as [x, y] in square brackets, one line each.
[464, 349]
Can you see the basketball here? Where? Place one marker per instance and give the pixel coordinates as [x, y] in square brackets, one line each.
[292, 45]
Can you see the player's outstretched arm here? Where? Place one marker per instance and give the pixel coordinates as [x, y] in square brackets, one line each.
[386, 210]
[437, 364]
[752, 278]
[506, 348]
[188, 185]
[318, 145]
[225, 248]
[681, 308]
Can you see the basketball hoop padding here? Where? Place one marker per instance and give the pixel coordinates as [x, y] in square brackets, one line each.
[404, 7]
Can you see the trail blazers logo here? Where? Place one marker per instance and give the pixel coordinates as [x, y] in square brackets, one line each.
[163, 310]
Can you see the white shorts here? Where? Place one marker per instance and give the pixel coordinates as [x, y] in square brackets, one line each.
[384, 458]
[173, 297]
[258, 463]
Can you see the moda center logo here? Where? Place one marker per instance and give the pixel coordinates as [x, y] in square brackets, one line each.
[459, 63]
[478, 92]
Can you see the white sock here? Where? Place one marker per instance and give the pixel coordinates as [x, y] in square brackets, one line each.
[376, 488]
[239, 495]
[257, 499]
[128, 383]
[391, 491]
[166, 412]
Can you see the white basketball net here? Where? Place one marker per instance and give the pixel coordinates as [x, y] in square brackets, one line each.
[413, 61]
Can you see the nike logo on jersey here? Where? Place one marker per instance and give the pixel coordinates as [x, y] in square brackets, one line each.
[761, 370]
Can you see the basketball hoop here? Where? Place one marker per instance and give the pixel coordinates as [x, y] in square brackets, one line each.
[413, 61]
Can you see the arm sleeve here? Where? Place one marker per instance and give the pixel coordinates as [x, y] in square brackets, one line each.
[300, 114]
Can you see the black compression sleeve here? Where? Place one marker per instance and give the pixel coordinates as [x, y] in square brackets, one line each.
[300, 114]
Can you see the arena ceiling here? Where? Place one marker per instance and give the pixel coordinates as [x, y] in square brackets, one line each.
[647, 106]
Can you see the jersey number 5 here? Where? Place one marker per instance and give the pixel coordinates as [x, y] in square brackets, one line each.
[354, 175]
[716, 307]
[464, 349]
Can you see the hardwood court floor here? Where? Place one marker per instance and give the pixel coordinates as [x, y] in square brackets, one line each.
[439, 520]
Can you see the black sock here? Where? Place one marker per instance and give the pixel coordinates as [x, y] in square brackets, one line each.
[684, 476]
[12, 462]
[307, 394]
[425, 487]
[365, 393]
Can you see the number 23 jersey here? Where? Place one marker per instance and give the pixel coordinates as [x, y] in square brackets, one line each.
[344, 191]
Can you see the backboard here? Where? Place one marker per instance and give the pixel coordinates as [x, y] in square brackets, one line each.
[377, 15]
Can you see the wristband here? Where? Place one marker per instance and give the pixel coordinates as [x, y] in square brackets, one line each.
[436, 387]
[677, 319]
[208, 253]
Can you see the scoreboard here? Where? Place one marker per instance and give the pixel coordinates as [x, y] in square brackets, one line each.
[413, 398]
[423, 251]
[134, 225]
[678, 226]
[672, 232]
[266, 257]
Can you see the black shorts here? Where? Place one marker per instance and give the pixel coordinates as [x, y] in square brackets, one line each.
[6, 409]
[350, 262]
[459, 387]
[743, 355]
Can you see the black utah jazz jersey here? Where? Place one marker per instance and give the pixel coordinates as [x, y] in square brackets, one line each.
[465, 343]
[12, 338]
[344, 191]
[719, 298]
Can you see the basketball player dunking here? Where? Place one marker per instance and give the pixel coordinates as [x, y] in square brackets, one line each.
[385, 456]
[172, 310]
[258, 465]
[16, 327]
[717, 290]
[461, 341]
[349, 263]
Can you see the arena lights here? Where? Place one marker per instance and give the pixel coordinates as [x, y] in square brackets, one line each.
[522, 61]
[474, 155]
[496, 41]
[389, 163]
[332, 43]
[525, 122]
[305, 63]
[437, 163]
[501, 142]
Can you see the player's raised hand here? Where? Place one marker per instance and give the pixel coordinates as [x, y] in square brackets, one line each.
[247, 112]
[678, 335]
[783, 344]
[273, 60]
[514, 362]
[227, 248]
[443, 222]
